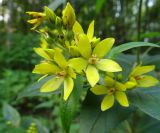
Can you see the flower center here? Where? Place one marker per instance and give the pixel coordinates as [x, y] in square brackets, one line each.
[93, 59]
[61, 74]
[111, 90]
[138, 77]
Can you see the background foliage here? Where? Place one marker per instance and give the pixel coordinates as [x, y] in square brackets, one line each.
[117, 19]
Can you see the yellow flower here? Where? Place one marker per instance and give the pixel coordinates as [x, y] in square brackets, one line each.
[62, 72]
[78, 30]
[138, 79]
[38, 18]
[68, 16]
[112, 89]
[91, 60]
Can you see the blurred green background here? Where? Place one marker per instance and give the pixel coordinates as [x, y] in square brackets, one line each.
[125, 20]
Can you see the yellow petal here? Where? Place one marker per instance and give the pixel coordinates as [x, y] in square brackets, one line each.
[42, 53]
[122, 98]
[90, 31]
[33, 21]
[71, 72]
[92, 75]
[130, 84]
[68, 87]
[51, 85]
[108, 65]
[119, 86]
[139, 70]
[46, 68]
[50, 52]
[109, 81]
[103, 47]
[147, 81]
[78, 64]
[107, 102]
[44, 43]
[99, 90]
[73, 50]
[36, 14]
[59, 59]
[77, 28]
[84, 46]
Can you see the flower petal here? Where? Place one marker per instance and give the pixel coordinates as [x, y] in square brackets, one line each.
[119, 86]
[71, 73]
[92, 75]
[90, 31]
[109, 81]
[77, 28]
[68, 87]
[42, 53]
[99, 90]
[59, 59]
[78, 64]
[122, 98]
[108, 65]
[46, 68]
[107, 102]
[130, 84]
[51, 85]
[84, 46]
[103, 47]
[147, 81]
[139, 70]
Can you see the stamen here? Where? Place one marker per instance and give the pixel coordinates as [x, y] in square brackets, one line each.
[93, 59]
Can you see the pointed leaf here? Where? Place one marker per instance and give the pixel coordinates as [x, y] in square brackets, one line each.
[124, 47]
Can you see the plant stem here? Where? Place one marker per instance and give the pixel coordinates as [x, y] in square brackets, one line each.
[139, 30]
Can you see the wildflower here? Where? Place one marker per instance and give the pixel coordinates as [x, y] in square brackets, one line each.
[91, 60]
[62, 73]
[137, 77]
[38, 18]
[78, 30]
[112, 89]
[68, 16]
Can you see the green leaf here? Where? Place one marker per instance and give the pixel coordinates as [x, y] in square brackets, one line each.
[11, 114]
[33, 90]
[70, 107]
[140, 123]
[152, 60]
[93, 120]
[123, 47]
[147, 100]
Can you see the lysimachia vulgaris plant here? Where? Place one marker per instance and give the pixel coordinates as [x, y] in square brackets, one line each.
[76, 59]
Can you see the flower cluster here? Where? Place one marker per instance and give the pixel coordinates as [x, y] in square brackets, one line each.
[68, 51]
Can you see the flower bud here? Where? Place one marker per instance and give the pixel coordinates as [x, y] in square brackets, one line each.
[68, 16]
[50, 15]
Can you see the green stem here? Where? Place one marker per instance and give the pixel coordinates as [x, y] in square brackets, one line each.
[139, 30]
